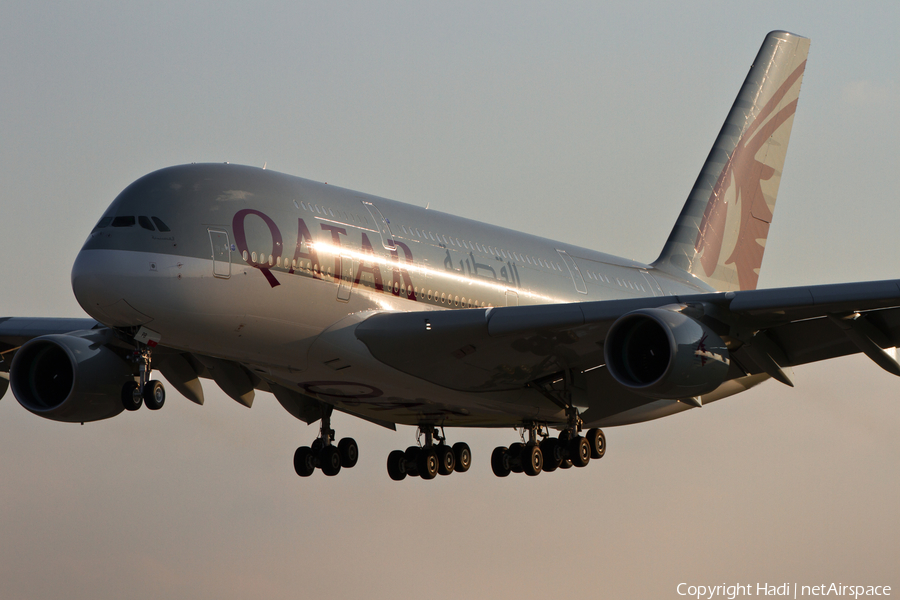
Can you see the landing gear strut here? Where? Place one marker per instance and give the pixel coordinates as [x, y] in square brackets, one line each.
[429, 459]
[143, 391]
[323, 454]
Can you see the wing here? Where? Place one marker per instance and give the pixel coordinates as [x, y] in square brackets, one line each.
[110, 349]
[764, 331]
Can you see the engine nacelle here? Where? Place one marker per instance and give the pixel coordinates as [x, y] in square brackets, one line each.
[665, 354]
[69, 378]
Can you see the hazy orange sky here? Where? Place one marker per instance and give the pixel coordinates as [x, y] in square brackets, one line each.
[579, 122]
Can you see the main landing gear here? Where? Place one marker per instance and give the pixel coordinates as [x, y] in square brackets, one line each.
[430, 459]
[533, 457]
[323, 454]
[143, 391]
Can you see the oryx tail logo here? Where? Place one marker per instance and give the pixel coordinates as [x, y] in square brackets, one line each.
[747, 169]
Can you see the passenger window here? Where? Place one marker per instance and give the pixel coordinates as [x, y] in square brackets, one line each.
[123, 222]
[145, 223]
[160, 225]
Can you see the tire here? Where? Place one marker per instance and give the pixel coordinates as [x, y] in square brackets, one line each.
[427, 463]
[129, 400]
[579, 451]
[552, 457]
[349, 451]
[463, 456]
[565, 464]
[597, 440]
[515, 450]
[500, 461]
[412, 460]
[396, 465]
[532, 460]
[154, 395]
[304, 461]
[446, 459]
[330, 461]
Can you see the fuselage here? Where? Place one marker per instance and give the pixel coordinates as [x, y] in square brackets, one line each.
[253, 266]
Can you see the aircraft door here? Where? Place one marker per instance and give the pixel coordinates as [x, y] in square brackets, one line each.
[221, 253]
[574, 271]
[651, 281]
[387, 238]
[345, 286]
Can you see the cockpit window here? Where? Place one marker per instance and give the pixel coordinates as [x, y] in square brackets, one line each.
[160, 225]
[123, 222]
[104, 222]
[145, 223]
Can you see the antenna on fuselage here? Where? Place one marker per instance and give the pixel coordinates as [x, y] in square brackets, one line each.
[264, 165]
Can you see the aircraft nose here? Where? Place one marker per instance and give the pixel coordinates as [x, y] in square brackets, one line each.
[101, 282]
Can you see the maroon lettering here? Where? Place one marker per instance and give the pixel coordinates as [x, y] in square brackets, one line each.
[374, 270]
[240, 240]
[401, 278]
[312, 256]
[336, 233]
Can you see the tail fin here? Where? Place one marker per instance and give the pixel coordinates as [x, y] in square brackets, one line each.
[720, 235]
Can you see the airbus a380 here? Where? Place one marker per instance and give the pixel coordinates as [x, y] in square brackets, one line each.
[336, 300]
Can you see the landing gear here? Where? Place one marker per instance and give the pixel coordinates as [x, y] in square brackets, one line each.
[430, 459]
[323, 454]
[521, 457]
[154, 395]
[144, 391]
[597, 441]
[533, 457]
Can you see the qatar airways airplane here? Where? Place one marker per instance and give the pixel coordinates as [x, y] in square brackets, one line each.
[331, 299]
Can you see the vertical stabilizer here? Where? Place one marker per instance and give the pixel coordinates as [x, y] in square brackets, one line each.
[720, 235]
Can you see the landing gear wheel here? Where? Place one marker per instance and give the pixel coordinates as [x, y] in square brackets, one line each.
[446, 459]
[597, 441]
[532, 459]
[396, 465]
[514, 451]
[330, 460]
[131, 398]
[579, 451]
[552, 457]
[304, 461]
[412, 457]
[154, 395]
[463, 456]
[427, 463]
[349, 452]
[500, 461]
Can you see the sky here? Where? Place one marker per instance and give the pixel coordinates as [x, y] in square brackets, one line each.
[583, 121]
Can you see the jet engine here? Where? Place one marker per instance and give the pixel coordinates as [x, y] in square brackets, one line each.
[665, 354]
[69, 378]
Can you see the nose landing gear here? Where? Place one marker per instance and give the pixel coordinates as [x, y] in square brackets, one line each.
[323, 454]
[144, 391]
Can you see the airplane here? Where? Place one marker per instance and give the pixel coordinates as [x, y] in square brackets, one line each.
[332, 299]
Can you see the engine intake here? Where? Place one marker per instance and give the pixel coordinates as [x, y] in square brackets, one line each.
[69, 378]
[665, 354]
